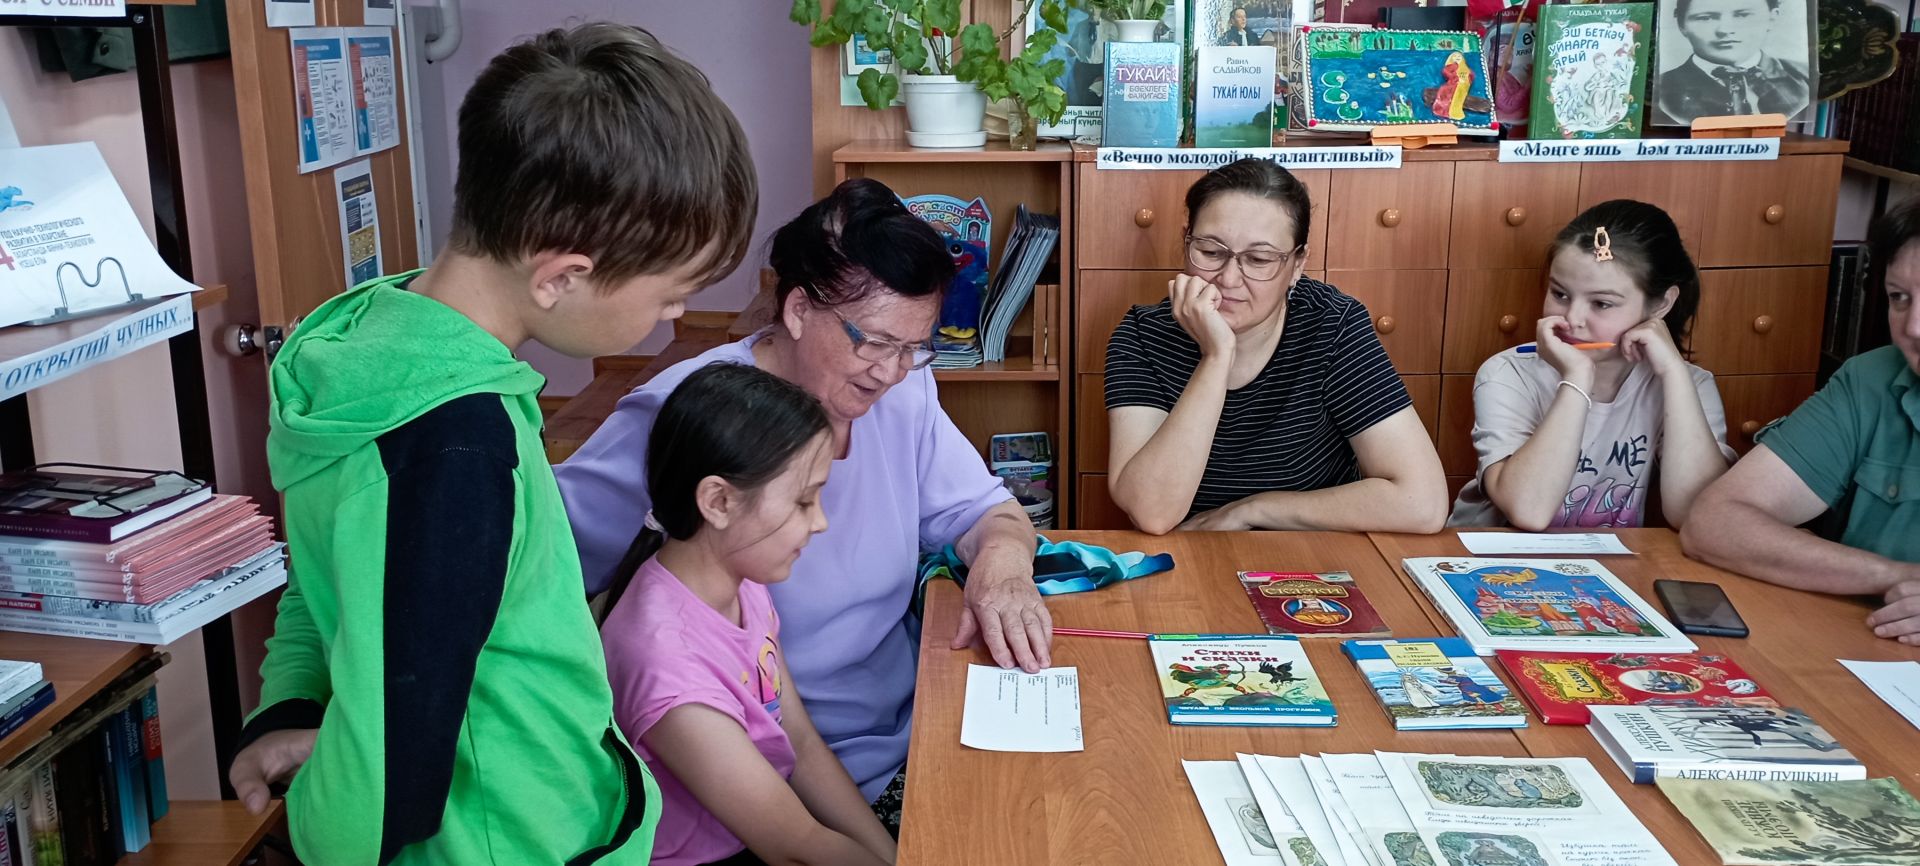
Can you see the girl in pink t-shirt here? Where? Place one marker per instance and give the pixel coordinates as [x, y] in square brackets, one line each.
[1570, 436]
[700, 686]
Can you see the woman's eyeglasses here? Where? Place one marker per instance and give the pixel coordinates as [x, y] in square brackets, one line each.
[873, 349]
[1258, 264]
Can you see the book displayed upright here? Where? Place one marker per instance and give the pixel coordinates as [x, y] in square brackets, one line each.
[1142, 99]
[1590, 71]
[1233, 96]
[1543, 604]
[1767, 744]
[1562, 685]
[1219, 679]
[1435, 683]
[1308, 604]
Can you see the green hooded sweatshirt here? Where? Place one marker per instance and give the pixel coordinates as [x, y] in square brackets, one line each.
[433, 628]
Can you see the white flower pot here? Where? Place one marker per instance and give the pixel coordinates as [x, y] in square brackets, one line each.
[943, 111]
[1137, 30]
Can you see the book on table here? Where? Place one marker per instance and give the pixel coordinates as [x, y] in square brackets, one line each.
[83, 502]
[1543, 604]
[1870, 822]
[1750, 743]
[1435, 683]
[1220, 679]
[1312, 604]
[1562, 685]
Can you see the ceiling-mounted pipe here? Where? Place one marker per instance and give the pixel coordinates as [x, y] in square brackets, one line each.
[441, 45]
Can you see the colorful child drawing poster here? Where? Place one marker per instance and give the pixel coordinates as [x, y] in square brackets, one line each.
[1359, 79]
[1592, 72]
[1533, 600]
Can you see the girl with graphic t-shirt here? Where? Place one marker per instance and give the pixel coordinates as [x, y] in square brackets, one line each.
[1571, 436]
[700, 687]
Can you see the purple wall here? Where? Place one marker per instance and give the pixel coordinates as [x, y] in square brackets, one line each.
[758, 62]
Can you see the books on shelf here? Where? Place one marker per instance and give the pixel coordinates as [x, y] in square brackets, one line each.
[1310, 604]
[1749, 743]
[1590, 71]
[1219, 679]
[1435, 683]
[1402, 809]
[159, 623]
[1840, 823]
[1562, 685]
[1029, 248]
[1233, 96]
[90, 792]
[1143, 99]
[99, 505]
[16, 710]
[1543, 604]
[967, 228]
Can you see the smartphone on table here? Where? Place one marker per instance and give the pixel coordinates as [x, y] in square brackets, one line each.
[1700, 608]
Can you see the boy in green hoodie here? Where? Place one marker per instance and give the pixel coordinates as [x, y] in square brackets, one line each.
[434, 665]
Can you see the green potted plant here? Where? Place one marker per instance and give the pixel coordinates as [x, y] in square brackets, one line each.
[946, 72]
[1135, 19]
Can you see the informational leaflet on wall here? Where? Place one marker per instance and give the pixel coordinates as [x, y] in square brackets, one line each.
[289, 13]
[69, 242]
[322, 97]
[376, 106]
[65, 8]
[379, 13]
[359, 221]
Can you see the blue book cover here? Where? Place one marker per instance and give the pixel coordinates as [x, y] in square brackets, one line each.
[25, 707]
[133, 795]
[156, 760]
[1231, 679]
[1434, 683]
[1142, 100]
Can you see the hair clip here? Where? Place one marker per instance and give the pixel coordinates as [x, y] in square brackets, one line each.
[653, 522]
[1602, 245]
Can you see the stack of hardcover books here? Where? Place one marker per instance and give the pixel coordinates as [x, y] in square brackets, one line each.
[24, 692]
[98, 552]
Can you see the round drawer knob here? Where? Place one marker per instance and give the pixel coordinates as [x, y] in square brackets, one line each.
[1384, 324]
[1143, 217]
[1508, 324]
[1774, 214]
[1516, 216]
[1762, 324]
[1748, 428]
[1390, 217]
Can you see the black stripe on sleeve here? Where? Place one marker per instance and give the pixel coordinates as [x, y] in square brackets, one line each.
[450, 514]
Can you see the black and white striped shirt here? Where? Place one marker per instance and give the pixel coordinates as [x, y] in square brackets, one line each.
[1328, 380]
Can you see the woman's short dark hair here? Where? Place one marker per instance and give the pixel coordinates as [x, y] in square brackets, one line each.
[857, 240]
[1894, 231]
[731, 421]
[1255, 177]
[1646, 242]
[598, 140]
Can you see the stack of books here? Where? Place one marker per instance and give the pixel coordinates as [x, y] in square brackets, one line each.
[1399, 808]
[1028, 250]
[127, 555]
[24, 692]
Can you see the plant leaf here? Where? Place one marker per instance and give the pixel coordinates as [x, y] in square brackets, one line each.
[804, 12]
[877, 88]
[1053, 13]
[910, 52]
[943, 14]
[979, 39]
[828, 33]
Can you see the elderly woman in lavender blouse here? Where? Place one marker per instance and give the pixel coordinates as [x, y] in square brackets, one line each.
[860, 285]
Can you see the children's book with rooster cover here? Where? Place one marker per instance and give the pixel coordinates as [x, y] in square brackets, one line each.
[1227, 679]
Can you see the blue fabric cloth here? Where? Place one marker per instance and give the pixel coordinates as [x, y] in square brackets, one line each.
[1102, 567]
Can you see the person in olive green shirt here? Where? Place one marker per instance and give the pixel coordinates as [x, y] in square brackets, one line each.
[1853, 449]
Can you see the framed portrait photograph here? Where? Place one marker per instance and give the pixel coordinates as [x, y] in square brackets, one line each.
[1730, 57]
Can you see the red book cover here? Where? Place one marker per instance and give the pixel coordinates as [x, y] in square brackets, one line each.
[1562, 685]
[1328, 604]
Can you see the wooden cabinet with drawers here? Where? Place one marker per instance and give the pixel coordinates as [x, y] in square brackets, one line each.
[1448, 253]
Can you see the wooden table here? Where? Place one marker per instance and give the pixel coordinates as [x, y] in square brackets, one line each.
[1125, 799]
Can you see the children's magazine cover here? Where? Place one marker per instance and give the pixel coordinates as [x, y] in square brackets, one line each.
[1562, 685]
[1590, 80]
[1239, 680]
[1360, 78]
[1522, 604]
[967, 227]
[1325, 604]
[1433, 683]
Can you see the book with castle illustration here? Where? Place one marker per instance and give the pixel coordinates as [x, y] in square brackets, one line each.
[1590, 71]
[1562, 685]
[1309, 604]
[1226, 679]
[1435, 683]
[1543, 604]
[1844, 823]
[1763, 744]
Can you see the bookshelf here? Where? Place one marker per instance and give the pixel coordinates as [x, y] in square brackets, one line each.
[78, 669]
[1028, 391]
[207, 833]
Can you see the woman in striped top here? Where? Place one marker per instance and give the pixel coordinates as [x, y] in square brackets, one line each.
[1255, 398]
